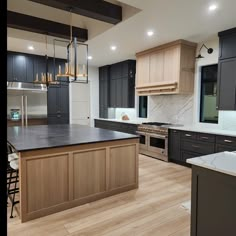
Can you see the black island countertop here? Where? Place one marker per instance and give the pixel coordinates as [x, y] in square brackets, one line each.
[50, 136]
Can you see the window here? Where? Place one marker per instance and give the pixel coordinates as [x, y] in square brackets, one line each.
[143, 106]
[208, 112]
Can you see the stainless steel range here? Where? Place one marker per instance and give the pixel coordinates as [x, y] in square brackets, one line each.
[154, 139]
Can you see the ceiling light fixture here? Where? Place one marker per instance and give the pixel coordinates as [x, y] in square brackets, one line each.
[113, 48]
[31, 47]
[212, 7]
[150, 33]
[90, 57]
[209, 51]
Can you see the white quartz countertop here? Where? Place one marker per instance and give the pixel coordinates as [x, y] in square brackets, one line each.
[224, 162]
[124, 121]
[205, 130]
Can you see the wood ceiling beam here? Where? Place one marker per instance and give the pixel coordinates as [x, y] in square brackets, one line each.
[38, 25]
[96, 9]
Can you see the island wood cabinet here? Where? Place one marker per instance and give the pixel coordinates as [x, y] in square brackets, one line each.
[226, 84]
[56, 179]
[185, 144]
[166, 69]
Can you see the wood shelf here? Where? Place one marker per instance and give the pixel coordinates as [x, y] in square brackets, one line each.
[71, 75]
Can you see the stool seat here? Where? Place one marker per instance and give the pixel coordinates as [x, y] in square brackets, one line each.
[12, 156]
[14, 164]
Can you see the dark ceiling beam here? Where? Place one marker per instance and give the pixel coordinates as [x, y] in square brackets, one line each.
[96, 9]
[38, 25]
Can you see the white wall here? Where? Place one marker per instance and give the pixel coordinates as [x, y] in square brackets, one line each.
[93, 99]
[227, 119]
[93, 74]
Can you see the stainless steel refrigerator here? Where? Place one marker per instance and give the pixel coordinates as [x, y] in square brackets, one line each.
[26, 104]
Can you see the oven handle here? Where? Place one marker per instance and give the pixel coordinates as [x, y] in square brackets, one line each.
[158, 136]
[141, 133]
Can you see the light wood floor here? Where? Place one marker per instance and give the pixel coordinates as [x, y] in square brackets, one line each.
[154, 209]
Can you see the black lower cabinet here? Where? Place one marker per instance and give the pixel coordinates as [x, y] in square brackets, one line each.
[213, 207]
[184, 145]
[58, 119]
[116, 126]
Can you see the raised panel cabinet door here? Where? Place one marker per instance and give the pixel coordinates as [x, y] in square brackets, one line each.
[47, 182]
[89, 173]
[112, 93]
[174, 145]
[10, 67]
[122, 170]
[63, 96]
[30, 68]
[227, 85]
[142, 70]
[228, 46]
[157, 66]
[39, 66]
[172, 64]
[53, 106]
[119, 92]
[19, 67]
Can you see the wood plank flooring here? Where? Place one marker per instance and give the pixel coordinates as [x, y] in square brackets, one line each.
[152, 210]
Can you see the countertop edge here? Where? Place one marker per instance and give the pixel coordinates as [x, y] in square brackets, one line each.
[208, 131]
[70, 145]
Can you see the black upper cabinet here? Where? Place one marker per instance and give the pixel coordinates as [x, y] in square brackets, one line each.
[39, 66]
[103, 91]
[227, 84]
[10, 67]
[226, 95]
[227, 44]
[30, 68]
[19, 68]
[122, 82]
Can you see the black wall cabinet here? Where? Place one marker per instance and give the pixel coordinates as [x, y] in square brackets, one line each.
[226, 95]
[103, 91]
[116, 86]
[22, 67]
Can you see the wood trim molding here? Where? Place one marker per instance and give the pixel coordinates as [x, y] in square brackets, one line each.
[167, 45]
[42, 26]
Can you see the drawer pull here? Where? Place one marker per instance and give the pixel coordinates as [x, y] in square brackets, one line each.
[227, 141]
[188, 135]
[204, 137]
[195, 146]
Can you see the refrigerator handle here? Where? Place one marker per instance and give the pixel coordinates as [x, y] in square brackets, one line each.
[26, 111]
[22, 111]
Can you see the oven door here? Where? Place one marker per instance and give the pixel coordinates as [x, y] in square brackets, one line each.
[158, 144]
[143, 141]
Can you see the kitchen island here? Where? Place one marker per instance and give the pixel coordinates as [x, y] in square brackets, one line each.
[63, 166]
[213, 206]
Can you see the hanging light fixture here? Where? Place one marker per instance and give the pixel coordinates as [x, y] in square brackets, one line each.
[209, 51]
[76, 67]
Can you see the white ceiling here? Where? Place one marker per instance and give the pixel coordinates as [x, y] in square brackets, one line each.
[169, 19]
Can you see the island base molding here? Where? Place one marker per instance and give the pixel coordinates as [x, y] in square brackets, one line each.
[56, 179]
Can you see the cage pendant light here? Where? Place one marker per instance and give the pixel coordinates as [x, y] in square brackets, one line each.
[76, 67]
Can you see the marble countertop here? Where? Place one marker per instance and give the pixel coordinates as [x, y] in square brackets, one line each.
[193, 128]
[224, 162]
[49, 136]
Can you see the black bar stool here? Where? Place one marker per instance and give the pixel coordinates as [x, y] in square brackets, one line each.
[13, 178]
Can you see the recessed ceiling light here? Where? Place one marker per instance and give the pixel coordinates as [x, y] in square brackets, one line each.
[90, 57]
[113, 48]
[212, 7]
[31, 47]
[150, 33]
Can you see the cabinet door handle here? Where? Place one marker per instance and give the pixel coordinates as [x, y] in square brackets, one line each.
[227, 141]
[204, 137]
[58, 116]
[188, 135]
[175, 131]
[195, 146]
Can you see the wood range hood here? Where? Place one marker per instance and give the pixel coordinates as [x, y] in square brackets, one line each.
[166, 69]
